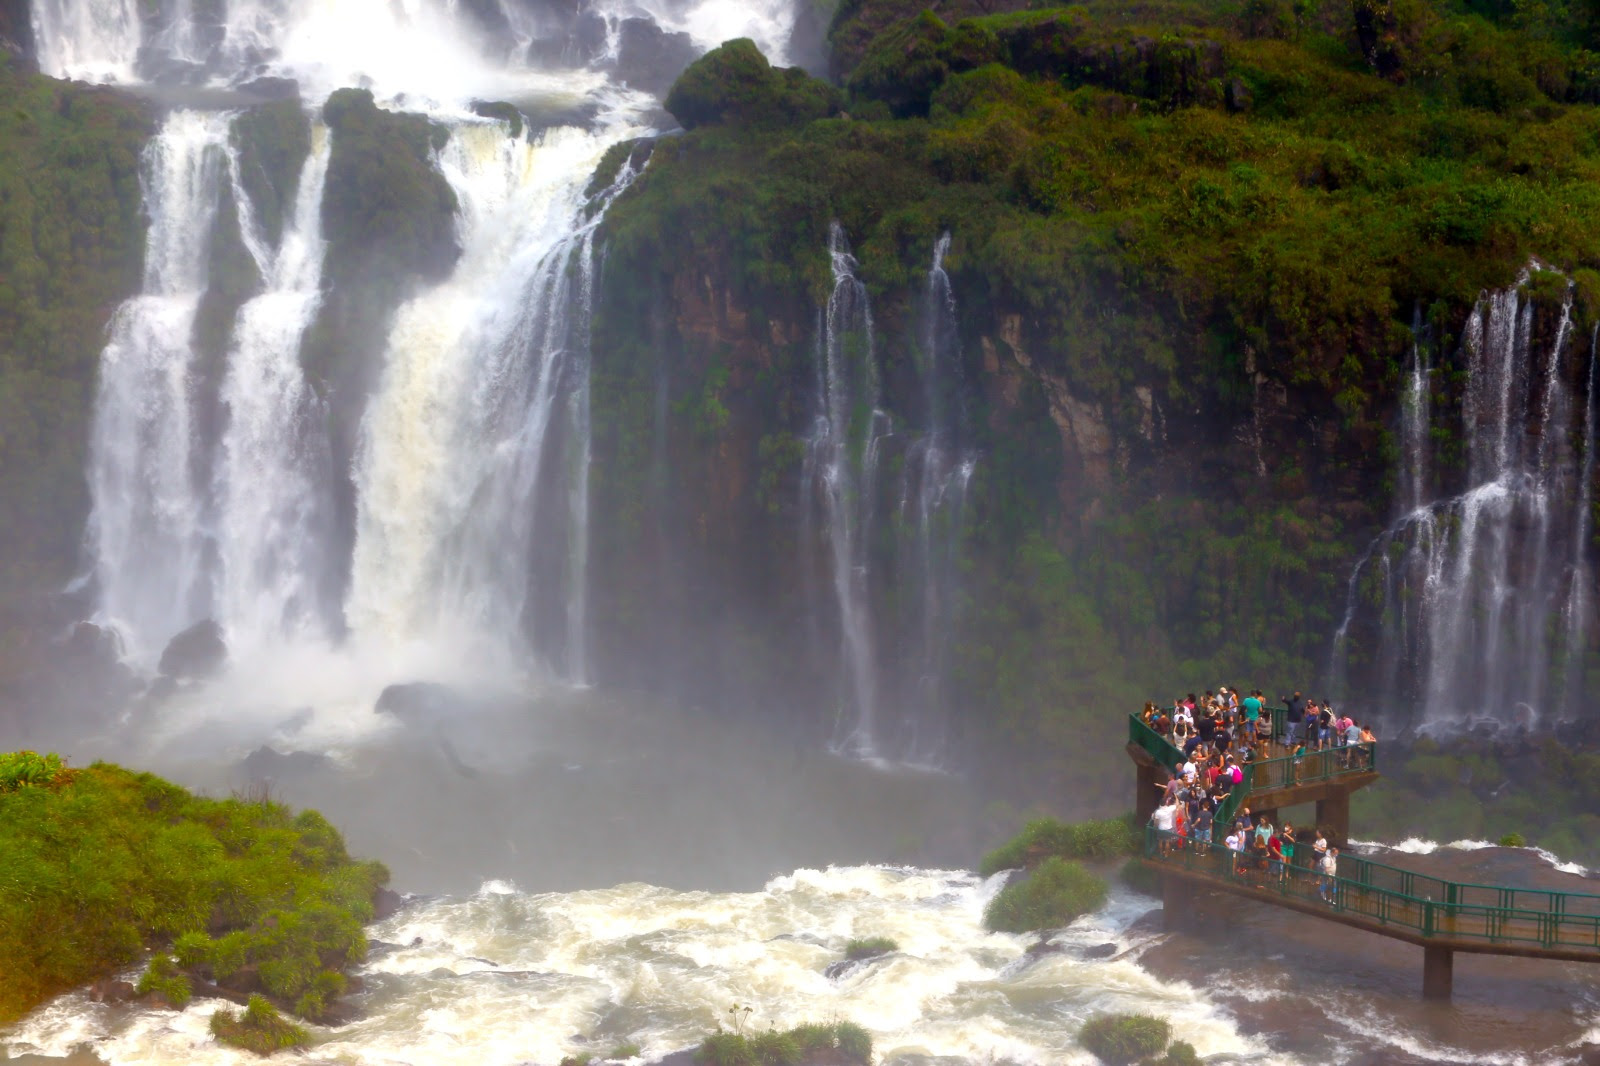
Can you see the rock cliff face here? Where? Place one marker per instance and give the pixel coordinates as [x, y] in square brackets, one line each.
[1185, 290]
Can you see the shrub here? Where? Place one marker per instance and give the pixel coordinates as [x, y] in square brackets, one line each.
[24, 769]
[1124, 1039]
[162, 979]
[1052, 896]
[844, 1042]
[260, 1028]
[628, 1050]
[723, 1048]
[1513, 840]
[1042, 838]
[1181, 1053]
[775, 1049]
[854, 1042]
[94, 873]
[869, 947]
[735, 84]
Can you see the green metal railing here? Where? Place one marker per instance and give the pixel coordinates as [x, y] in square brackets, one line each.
[1158, 747]
[1552, 920]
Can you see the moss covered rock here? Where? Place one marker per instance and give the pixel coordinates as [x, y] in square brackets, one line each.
[260, 1028]
[1124, 1039]
[735, 85]
[110, 863]
[1053, 895]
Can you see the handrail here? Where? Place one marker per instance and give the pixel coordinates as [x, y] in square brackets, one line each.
[1555, 925]
[1163, 751]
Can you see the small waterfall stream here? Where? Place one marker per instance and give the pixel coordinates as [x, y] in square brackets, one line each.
[1474, 607]
[890, 549]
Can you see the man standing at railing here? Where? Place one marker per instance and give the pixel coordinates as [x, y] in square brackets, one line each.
[1294, 718]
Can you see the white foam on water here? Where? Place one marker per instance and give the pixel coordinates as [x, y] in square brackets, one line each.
[1373, 1027]
[503, 976]
[1419, 846]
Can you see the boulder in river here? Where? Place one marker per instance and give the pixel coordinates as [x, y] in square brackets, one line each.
[197, 652]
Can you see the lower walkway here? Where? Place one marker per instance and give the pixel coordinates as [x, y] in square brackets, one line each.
[1440, 916]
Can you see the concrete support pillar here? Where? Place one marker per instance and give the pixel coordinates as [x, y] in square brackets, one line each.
[1145, 797]
[1333, 818]
[1438, 972]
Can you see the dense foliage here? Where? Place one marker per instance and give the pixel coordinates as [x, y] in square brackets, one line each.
[1189, 243]
[71, 238]
[1051, 896]
[108, 863]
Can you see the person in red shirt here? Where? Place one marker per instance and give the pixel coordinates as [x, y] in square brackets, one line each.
[1275, 856]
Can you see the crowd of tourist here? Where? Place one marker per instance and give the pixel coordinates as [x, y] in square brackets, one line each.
[1221, 734]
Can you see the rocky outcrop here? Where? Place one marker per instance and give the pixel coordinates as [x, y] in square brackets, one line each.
[198, 652]
[650, 58]
[735, 85]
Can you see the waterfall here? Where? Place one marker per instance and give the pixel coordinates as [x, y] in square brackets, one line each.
[1456, 603]
[148, 537]
[460, 474]
[840, 473]
[1579, 602]
[274, 474]
[213, 488]
[933, 495]
[893, 590]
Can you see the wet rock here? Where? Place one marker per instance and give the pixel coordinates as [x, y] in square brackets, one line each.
[501, 110]
[416, 702]
[109, 990]
[268, 764]
[1100, 951]
[197, 652]
[271, 89]
[386, 904]
[650, 58]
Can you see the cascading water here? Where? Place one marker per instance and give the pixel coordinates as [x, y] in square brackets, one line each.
[894, 606]
[470, 481]
[1460, 598]
[840, 474]
[148, 530]
[274, 472]
[934, 481]
[485, 385]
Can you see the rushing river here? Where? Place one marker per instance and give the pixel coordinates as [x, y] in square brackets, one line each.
[539, 835]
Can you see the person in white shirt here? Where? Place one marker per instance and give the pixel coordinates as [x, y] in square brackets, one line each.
[1329, 866]
[1165, 821]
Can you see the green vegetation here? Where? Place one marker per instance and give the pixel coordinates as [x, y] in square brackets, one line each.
[1055, 893]
[1044, 838]
[844, 1043]
[162, 978]
[1183, 234]
[29, 769]
[1543, 792]
[1124, 1039]
[870, 947]
[108, 863]
[735, 84]
[260, 1028]
[71, 244]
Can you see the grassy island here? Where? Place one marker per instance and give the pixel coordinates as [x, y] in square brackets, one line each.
[100, 866]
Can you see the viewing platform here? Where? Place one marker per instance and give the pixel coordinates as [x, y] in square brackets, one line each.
[1326, 778]
[1442, 917]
